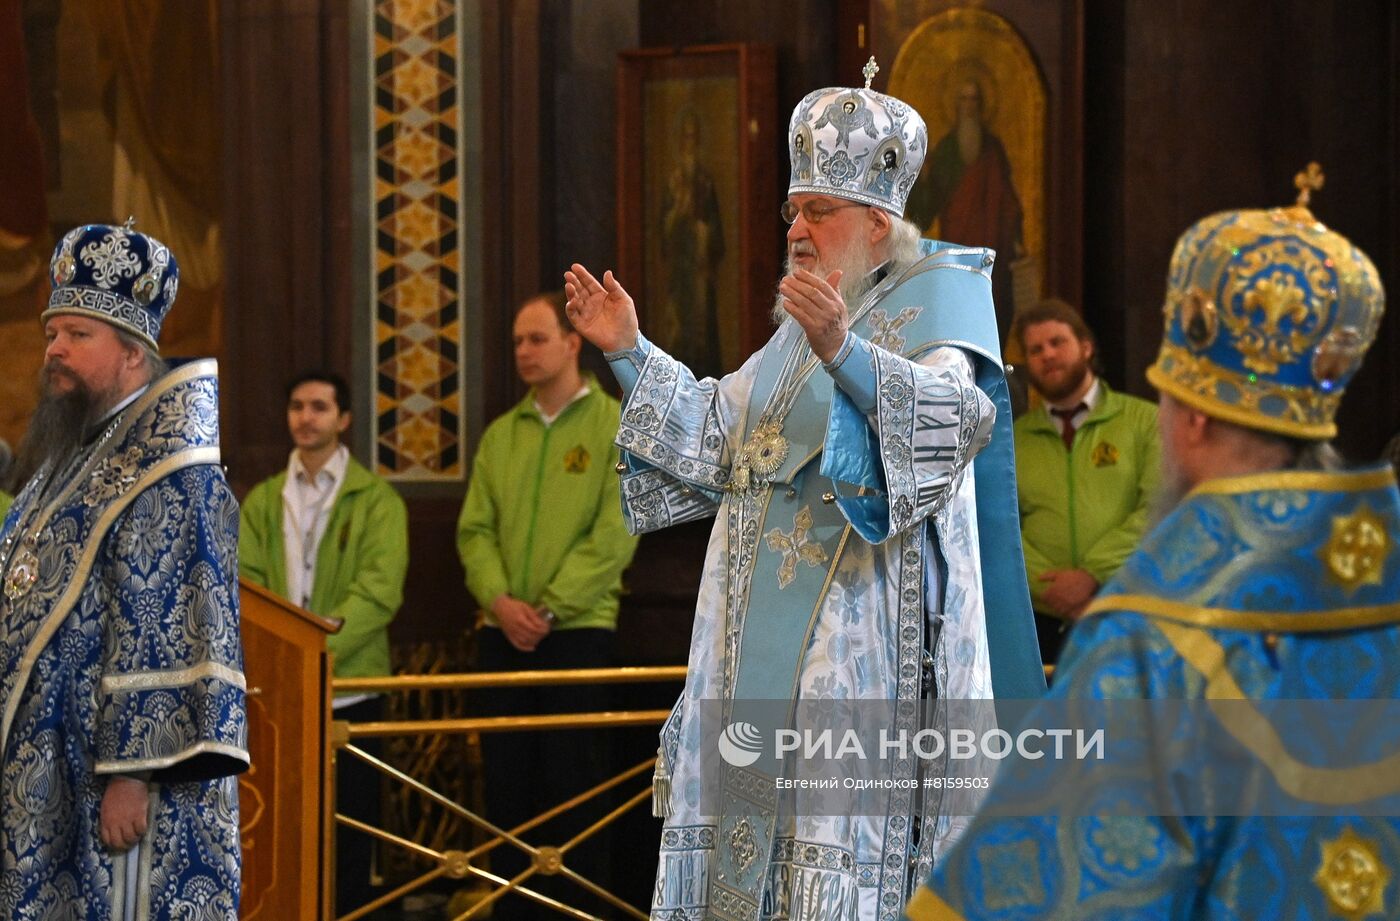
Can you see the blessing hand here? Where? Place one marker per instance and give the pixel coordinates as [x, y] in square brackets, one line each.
[604, 314]
[818, 307]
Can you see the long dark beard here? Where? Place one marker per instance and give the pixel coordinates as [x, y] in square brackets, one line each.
[1064, 390]
[58, 429]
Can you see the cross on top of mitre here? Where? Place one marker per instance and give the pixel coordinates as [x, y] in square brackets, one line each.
[1308, 181]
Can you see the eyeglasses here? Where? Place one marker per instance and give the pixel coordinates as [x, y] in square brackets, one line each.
[814, 212]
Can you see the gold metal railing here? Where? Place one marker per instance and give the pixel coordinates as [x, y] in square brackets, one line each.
[472, 680]
[545, 859]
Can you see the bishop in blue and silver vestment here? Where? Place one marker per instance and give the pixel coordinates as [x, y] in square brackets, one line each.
[124, 722]
[1256, 631]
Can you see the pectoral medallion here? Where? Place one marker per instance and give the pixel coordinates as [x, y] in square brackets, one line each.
[24, 572]
[760, 457]
[767, 449]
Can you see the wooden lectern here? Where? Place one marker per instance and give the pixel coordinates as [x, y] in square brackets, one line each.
[284, 798]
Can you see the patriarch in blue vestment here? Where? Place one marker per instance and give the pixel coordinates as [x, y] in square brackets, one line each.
[865, 556]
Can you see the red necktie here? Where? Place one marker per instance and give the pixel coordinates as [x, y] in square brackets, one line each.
[1066, 417]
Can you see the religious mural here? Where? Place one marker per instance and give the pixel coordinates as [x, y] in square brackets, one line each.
[696, 127]
[691, 194]
[101, 122]
[972, 77]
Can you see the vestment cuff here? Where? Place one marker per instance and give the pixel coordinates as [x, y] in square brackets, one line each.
[841, 354]
[853, 370]
[627, 364]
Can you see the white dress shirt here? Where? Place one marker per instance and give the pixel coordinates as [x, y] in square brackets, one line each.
[548, 418]
[306, 509]
[1087, 404]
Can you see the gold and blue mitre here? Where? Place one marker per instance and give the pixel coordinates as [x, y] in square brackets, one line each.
[115, 274]
[1268, 315]
[856, 144]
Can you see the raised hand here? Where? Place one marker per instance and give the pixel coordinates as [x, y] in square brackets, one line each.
[604, 314]
[818, 307]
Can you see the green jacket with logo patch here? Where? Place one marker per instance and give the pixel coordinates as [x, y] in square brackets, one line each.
[360, 565]
[542, 520]
[1086, 508]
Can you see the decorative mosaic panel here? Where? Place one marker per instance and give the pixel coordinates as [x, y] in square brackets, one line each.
[416, 291]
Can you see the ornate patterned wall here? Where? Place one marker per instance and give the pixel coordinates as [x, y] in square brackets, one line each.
[418, 414]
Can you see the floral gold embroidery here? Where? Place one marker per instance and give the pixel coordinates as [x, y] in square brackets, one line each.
[1355, 554]
[1010, 879]
[1303, 410]
[1352, 876]
[1128, 842]
[795, 545]
[1272, 317]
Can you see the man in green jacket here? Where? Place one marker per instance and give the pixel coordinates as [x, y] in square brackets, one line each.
[544, 546]
[6, 458]
[1087, 467]
[333, 538]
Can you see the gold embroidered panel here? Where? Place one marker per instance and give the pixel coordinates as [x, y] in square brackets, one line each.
[418, 413]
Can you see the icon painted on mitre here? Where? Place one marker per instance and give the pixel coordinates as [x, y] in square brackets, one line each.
[1200, 321]
[1337, 355]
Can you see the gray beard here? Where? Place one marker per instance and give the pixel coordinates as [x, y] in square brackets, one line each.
[1170, 491]
[57, 431]
[856, 278]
